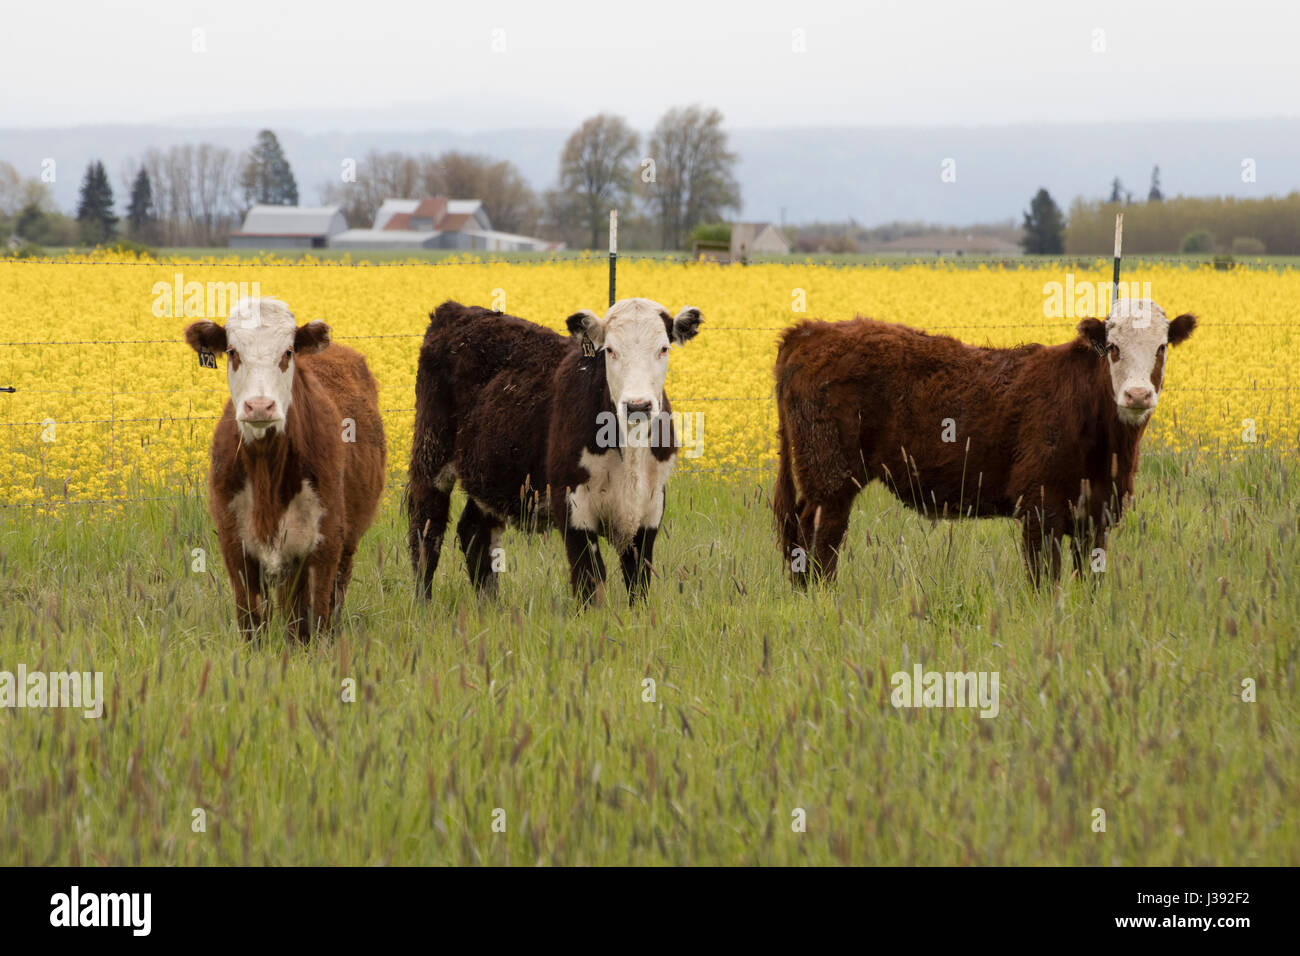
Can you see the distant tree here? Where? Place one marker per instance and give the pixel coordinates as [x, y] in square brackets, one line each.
[11, 189]
[1154, 194]
[30, 223]
[95, 205]
[265, 175]
[378, 176]
[1116, 190]
[597, 170]
[36, 218]
[1044, 226]
[140, 215]
[1197, 241]
[196, 193]
[694, 178]
[509, 201]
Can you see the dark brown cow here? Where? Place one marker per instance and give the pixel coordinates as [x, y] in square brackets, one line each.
[297, 461]
[1045, 434]
[545, 430]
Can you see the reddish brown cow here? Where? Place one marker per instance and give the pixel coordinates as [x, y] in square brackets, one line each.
[1045, 434]
[297, 461]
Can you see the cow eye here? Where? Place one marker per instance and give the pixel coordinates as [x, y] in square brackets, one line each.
[612, 354]
[288, 354]
[1114, 352]
[663, 351]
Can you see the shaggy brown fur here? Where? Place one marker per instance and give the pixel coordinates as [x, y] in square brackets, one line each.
[1038, 437]
[348, 477]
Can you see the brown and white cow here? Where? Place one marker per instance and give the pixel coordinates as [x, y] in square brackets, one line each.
[1045, 434]
[544, 430]
[297, 461]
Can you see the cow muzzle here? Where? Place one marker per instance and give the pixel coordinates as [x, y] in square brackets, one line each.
[1135, 405]
[258, 411]
[638, 419]
[1142, 398]
[257, 416]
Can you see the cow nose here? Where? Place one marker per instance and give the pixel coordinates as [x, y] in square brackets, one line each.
[1140, 397]
[259, 409]
[637, 408]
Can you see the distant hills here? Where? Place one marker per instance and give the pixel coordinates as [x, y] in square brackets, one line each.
[868, 175]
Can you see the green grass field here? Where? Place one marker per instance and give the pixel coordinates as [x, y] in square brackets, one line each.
[1125, 698]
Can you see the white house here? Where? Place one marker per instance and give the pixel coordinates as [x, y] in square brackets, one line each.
[750, 238]
[436, 222]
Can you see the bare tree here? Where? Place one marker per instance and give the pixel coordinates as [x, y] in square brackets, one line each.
[509, 201]
[215, 181]
[11, 191]
[596, 171]
[193, 193]
[694, 181]
[379, 176]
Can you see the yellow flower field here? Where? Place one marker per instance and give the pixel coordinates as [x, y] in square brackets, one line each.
[111, 403]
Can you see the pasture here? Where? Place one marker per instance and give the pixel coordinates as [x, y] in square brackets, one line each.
[407, 734]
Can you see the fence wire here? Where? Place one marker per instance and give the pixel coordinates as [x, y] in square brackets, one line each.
[454, 261]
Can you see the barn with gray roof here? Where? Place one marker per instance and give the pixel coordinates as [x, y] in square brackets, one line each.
[289, 227]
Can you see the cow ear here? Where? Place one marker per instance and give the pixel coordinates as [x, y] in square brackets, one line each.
[311, 338]
[1094, 331]
[686, 326]
[206, 335]
[586, 323]
[1181, 327]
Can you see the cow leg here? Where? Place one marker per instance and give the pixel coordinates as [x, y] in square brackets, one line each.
[479, 533]
[323, 569]
[429, 507]
[307, 594]
[636, 560]
[821, 530]
[342, 580]
[1041, 541]
[293, 605]
[245, 575]
[586, 568]
[792, 545]
[1086, 540]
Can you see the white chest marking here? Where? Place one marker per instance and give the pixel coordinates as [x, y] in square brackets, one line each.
[295, 537]
[622, 496]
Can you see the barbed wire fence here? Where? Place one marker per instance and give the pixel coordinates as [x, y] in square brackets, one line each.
[196, 484]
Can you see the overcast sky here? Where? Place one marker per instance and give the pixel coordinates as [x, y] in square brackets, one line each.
[478, 65]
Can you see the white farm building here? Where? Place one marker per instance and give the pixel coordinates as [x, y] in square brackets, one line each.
[289, 227]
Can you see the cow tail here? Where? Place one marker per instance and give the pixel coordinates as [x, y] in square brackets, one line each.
[430, 478]
[785, 503]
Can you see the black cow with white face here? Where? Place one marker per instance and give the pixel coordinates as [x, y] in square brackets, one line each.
[544, 430]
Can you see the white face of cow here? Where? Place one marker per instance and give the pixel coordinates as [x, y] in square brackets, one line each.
[636, 335]
[260, 341]
[1134, 341]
